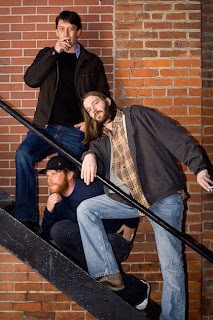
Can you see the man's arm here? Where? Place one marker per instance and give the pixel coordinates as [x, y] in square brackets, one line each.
[50, 218]
[176, 141]
[41, 67]
[97, 160]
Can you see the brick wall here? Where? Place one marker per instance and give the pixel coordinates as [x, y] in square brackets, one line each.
[156, 61]
[207, 113]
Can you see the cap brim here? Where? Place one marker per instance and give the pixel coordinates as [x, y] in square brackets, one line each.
[42, 171]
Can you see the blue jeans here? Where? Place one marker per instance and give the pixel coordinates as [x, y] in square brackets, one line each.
[66, 235]
[99, 254]
[34, 149]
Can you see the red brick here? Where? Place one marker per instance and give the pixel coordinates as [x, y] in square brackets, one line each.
[158, 102]
[157, 63]
[67, 315]
[27, 306]
[144, 73]
[56, 306]
[193, 82]
[23, 10]
[157, 82]
[10, 315]
[129, 7]
[25, 286]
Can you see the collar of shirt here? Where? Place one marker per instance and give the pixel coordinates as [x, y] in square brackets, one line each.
[71, 191]
[118, 119]
[77, 51]
[116, 122]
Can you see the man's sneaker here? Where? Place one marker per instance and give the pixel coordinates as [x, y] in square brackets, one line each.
[112, 284]
[143, 304]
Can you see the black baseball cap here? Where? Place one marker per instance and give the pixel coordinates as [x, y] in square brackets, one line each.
[59, 163]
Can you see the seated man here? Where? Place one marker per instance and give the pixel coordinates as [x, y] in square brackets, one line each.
[60, 224]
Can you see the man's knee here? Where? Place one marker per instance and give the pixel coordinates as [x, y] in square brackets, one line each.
[23, 154]
[58, 230]
[83, 209]
[55, 231]
[21, 151]
[63, 229]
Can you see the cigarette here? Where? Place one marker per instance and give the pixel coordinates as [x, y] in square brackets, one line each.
[210, 187]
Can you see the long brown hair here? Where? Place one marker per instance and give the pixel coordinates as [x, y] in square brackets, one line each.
[93, 129]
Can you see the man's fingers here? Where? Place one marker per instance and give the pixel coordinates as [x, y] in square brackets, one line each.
[128, 236]
[62, 45]
[89, 169]
[203, 178]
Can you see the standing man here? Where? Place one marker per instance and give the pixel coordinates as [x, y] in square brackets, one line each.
[136, 148]
[67, 191]
[64, 73]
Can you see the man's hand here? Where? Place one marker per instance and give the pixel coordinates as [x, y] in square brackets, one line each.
[81, 126]
[62, 45]
[89, 168]
[128, 233]
[203, 178]
[52, 200]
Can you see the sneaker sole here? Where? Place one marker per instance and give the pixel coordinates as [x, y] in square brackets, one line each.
[141, 306]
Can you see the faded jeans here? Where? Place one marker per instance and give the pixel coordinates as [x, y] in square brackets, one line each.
[66, 236]
[100, 258]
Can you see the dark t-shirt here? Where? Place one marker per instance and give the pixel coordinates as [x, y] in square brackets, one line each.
[66, 111]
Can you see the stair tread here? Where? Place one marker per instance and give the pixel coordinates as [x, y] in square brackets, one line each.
[5, 199]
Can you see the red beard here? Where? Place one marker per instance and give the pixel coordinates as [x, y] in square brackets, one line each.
[59, 188]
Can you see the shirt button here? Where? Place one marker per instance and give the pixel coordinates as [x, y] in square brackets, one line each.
[53, 53]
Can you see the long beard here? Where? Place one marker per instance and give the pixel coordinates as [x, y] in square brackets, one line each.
[59, 188]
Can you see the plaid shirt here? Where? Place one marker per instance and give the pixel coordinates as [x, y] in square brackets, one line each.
[123, 165]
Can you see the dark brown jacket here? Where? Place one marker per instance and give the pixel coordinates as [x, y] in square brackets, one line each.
[44, 73]
[155, 143]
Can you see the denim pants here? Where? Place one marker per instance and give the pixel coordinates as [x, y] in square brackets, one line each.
[34, 149]
[99, 254]
[66, 236]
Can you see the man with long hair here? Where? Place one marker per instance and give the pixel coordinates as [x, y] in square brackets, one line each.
[136, 148]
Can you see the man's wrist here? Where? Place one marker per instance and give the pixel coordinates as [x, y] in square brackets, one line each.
[86, 153]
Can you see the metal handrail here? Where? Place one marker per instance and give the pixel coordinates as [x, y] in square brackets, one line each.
[185, 238]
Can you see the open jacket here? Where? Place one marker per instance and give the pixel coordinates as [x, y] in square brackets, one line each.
[155, 143]
[44, 73]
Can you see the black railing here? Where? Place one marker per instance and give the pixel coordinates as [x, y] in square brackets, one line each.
[188, 240]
